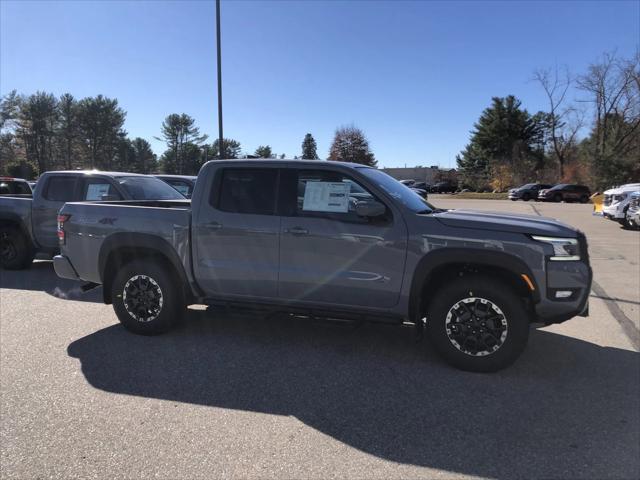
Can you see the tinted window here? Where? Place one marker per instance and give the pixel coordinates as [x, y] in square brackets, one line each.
[61, 189]
[98, 189]
[248, 190]
[148, 188]
[15, 188]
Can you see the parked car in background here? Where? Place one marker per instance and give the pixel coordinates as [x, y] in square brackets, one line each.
[408, 182]
[616, 202]
[443, 187]
[565, 192]
[423, 193]
[633, 212]
[182, 183]
[14, 186]
[368, 247]
[527, 192]
[29, 225]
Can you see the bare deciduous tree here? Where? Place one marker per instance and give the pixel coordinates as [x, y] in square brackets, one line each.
[614, 87]
[564, 120]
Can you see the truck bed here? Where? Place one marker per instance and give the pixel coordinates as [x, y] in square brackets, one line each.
[93, 226]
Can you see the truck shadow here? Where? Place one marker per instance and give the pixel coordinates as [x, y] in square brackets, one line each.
[568, 408]
[42, 277]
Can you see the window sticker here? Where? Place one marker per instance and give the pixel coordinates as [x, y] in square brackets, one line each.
[326, 197]
[95, 191]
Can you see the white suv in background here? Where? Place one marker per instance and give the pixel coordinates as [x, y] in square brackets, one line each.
[616, 202]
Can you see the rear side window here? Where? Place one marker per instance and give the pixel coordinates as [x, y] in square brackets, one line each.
[61, 189]
[248, 190]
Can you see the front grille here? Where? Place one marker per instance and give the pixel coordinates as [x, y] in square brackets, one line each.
[607, 200]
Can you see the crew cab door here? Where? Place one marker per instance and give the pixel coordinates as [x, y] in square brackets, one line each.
[330, 254]
[57, 190]
[235, 234]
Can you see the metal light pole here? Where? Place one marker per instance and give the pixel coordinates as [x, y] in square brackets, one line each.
[220, 136]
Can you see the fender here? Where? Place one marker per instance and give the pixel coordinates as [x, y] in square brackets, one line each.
[443, 256]
[142, 241]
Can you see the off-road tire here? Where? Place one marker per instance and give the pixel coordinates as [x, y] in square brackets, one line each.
[16, 253]
[160, 283]
[495, 292]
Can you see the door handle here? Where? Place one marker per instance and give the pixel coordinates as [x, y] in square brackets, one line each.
[297, 231]
[213, 225]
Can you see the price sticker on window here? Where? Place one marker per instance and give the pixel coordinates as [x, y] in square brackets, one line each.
[326, 197]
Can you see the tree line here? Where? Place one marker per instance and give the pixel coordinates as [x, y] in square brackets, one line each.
[510, 146]
[41, 132]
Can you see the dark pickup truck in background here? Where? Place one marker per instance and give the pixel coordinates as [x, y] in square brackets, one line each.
[330, 239]
[29, 225]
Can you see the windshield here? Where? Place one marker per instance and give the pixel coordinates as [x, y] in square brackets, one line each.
[397, 190]
[148, 188]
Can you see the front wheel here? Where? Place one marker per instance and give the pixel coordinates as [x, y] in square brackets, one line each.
[526, 197]
[478, 324]
[146, 299]
[557, 198]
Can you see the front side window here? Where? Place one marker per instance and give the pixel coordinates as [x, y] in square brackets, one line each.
[99, 190]
[148, 188]
[182, 187]
[248, 190]
[61, 189]
[324, 193]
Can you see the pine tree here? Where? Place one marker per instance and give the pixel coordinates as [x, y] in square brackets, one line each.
[264, 151]
[309, 148]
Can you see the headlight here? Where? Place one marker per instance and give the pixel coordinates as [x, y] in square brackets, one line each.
[563, 248]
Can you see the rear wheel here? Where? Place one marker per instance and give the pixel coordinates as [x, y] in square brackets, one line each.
[478, 324]
[584, 198]
[15, 251]
[145, 298]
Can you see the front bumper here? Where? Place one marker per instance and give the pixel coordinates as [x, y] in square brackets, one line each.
[63, 268]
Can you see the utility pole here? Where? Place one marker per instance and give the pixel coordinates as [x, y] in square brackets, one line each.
[220, 135]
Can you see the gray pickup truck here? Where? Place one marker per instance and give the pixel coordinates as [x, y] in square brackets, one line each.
[336, 240]
[29, 225]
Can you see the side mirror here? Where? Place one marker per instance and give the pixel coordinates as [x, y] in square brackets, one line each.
[370, 208]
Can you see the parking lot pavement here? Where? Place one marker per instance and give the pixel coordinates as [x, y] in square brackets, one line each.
[244, 396]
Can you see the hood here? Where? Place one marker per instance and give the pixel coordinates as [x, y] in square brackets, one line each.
[504, 222]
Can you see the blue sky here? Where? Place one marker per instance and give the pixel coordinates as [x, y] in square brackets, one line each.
[413, 75]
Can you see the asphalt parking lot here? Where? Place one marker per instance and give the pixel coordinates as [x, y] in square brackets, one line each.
[243, 396]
